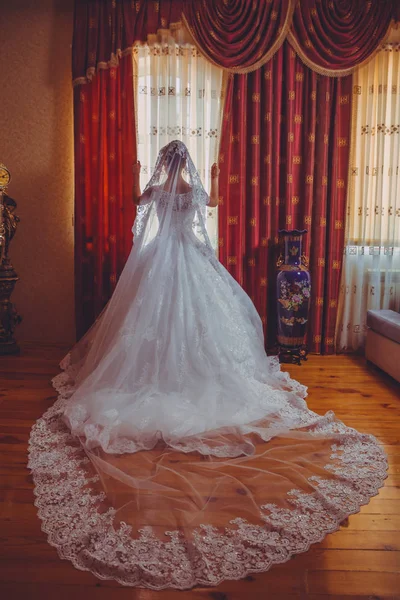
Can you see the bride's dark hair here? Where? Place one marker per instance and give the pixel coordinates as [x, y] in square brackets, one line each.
[174, 151]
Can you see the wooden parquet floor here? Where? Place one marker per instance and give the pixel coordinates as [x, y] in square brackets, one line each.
[362, 560]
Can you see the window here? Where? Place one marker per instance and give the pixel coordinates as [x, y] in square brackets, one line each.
[178, 96]
[371, 267]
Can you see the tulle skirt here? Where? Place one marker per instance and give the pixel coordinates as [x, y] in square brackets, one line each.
[178, 453]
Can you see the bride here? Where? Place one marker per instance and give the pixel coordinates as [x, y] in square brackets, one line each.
[178, 453]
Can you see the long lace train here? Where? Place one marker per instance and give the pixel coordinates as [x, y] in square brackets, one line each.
[161, 518]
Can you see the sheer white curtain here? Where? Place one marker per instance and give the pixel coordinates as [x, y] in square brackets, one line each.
[371, 274]
[178, 95]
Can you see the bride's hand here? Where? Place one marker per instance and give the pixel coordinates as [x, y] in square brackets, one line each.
[215, 170]
[136, 168]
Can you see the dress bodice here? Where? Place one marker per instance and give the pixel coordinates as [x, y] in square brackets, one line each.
[183, 209]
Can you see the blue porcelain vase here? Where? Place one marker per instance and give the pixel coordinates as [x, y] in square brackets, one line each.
[293, 292]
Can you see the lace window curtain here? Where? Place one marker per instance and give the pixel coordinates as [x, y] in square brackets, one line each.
[178, 96]
[371, 268]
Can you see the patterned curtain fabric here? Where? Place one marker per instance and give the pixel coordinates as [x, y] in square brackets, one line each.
[239, 36]
[104, 30]
[334, 37]
[371, 274]
[331, 36]
[284, 162]
[179, 96]
[105, 148]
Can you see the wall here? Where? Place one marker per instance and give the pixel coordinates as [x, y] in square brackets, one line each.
[36, 144]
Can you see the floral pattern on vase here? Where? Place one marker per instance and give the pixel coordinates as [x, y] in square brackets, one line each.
[293, 291]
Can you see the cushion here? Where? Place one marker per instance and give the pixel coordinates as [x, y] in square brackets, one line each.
[385, 322]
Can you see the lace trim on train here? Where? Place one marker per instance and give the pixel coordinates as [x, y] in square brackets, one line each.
[82, 529]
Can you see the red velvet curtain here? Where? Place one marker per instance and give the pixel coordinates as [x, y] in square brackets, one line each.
[334, 37]
[330, 36]
[105, 148]
[105, 29]
[284, 160]
[239, 35]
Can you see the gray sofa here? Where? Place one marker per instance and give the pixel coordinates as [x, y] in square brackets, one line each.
[383, 341]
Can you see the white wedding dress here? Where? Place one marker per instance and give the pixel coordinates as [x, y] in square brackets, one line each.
[178, 453]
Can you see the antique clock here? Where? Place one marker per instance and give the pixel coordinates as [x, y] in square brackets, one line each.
[5, 177]
[9, 318]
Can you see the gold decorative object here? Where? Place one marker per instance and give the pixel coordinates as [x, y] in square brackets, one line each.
[304, 261]
[9, 317]
[281, 260]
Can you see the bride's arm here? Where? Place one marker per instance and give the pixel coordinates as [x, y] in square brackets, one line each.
[136, 183]
[214, 185]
